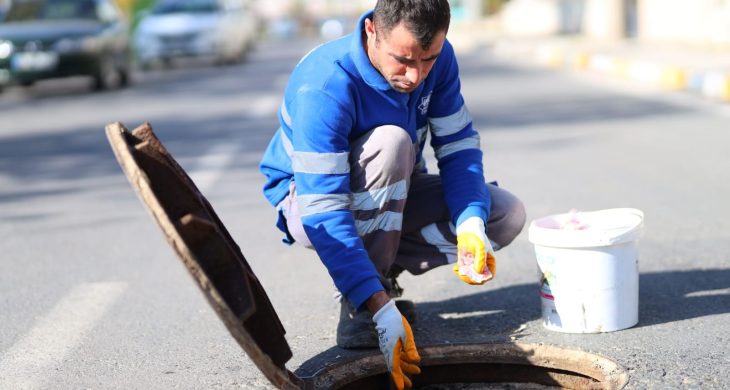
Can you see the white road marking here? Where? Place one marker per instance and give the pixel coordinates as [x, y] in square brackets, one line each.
[30, 360]
[478, 313]
[708, 293]
[208, 169]
[263, 106]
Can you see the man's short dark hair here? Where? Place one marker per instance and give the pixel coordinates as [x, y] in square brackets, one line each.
[423, 18]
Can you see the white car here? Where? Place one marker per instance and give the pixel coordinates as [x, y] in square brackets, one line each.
[222, 30]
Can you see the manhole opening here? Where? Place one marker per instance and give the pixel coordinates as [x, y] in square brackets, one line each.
[484, 366]
[459, 376]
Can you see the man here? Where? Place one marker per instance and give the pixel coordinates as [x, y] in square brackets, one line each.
[346, 172]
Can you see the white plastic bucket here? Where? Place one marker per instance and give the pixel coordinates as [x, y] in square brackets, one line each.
[589, 276]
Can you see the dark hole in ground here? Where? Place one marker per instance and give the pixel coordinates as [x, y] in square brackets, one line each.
[483, 376]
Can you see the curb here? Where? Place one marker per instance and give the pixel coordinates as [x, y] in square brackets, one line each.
[710, 83]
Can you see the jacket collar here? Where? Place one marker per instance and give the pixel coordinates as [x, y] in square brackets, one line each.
[367, 71]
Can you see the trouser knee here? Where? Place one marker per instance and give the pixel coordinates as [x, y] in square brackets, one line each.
[503, 231]
[388, 149]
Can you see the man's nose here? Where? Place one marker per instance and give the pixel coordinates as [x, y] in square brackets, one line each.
[413, 74]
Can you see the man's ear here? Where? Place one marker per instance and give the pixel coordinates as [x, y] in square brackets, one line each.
[370, 29]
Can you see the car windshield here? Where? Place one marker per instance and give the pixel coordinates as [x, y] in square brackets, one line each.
[186, 6]
[51, 10]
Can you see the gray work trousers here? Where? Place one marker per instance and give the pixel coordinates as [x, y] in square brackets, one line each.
[401, 216]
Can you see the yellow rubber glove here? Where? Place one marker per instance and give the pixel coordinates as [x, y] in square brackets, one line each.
[475, 262]
[397, 345]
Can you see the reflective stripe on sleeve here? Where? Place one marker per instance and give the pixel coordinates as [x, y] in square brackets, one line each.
[317, 203]
[457, 146]
[321, 163]
[286, 143]
[451, 124]
[421, 134]
[285, 114]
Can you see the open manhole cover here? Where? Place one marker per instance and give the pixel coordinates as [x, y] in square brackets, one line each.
[218, 266]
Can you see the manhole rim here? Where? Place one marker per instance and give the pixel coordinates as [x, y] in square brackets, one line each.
[608, 373]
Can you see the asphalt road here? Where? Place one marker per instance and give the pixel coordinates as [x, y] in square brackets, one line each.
[91, 295]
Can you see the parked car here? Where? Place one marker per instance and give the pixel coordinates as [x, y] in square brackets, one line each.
[41, 39]
[221, 30]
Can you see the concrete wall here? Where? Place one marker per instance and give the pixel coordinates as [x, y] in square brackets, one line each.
[695, 22]
[530, 17]
[673, 21]
[600, 19]
[604, 19]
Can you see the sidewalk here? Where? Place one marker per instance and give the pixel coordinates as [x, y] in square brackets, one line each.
[703, 71]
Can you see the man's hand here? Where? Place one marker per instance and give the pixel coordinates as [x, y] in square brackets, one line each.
[397, 345]
[475, 260]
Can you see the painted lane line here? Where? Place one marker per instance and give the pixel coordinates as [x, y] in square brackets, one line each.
[708, 293]
[478, 313]
[30, 360]
[264, 106]
[207, 170]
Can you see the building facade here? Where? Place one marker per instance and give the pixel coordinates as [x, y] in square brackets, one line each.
[702, 22]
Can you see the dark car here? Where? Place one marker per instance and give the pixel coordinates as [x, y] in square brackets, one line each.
[41, 39]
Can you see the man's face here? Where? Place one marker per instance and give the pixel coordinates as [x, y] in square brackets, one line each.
[399, 57]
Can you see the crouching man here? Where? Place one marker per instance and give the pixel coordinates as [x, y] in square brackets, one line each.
[346, 173]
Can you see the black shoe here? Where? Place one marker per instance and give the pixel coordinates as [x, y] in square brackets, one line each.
[355, 329]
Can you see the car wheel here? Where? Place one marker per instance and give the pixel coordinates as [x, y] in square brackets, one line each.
[107, 76]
